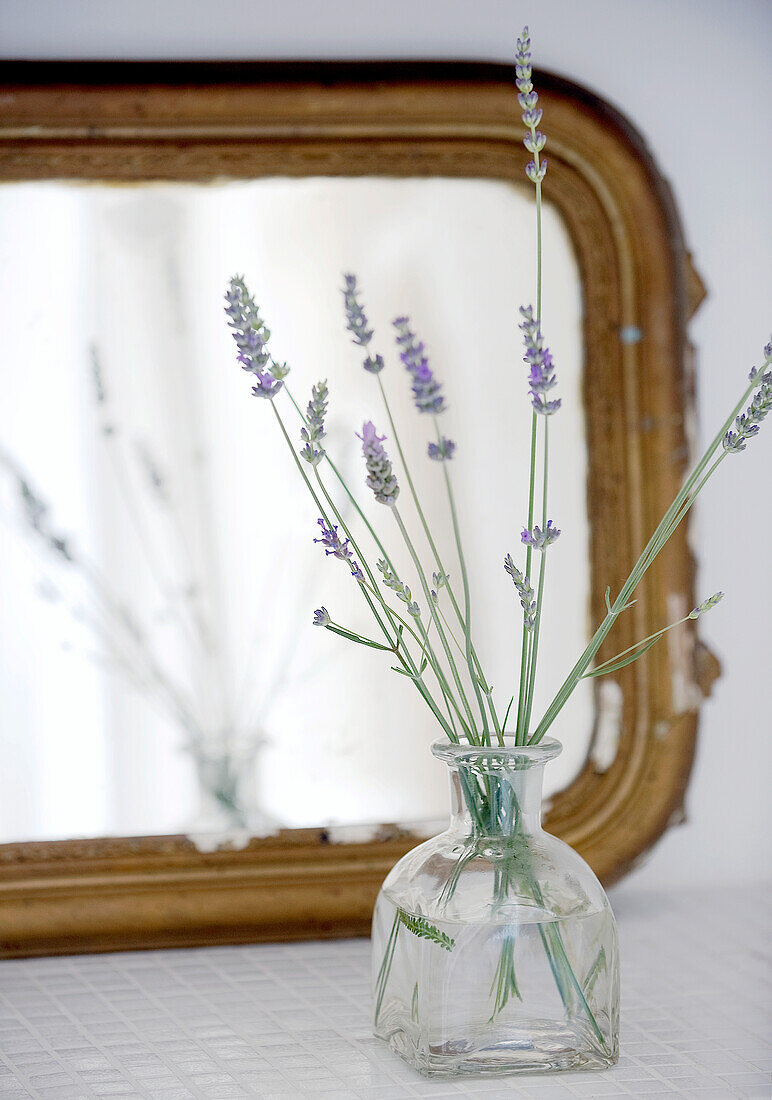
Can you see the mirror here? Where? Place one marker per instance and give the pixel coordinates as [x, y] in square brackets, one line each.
[186, 759]
[157, 538]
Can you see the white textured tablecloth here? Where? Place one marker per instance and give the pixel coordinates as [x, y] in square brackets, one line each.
[286, 1021]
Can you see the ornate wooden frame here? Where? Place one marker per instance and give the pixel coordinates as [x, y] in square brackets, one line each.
[128, 121]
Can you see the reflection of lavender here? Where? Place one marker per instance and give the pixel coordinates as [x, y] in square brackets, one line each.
[223, 745]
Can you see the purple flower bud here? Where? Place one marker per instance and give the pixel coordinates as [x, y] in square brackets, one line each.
[267, 386]
[534, 142]
[380, 476]
[536, 175]
[374, 364]
[442, 451]
[533, 117]
[539, 539]
[321, 617]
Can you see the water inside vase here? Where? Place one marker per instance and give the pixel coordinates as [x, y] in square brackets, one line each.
[528, 992]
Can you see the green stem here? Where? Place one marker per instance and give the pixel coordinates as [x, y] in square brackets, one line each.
[540, 595]
[535, 645]
[354, 637]
[677, 511]
[526, 644]
[467, 596]
[425, 525]
[405, 660]
[437, 623]
[599, 669]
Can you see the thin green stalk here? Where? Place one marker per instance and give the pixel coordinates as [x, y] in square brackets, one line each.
[424, 523]
[535, 645]
[437, 623]
[680, 507]
[526, 644]
[533, 657]
[414, 676]
[467, 596]
[354, 637]
[355, 546]
[527, 647]
[601, 670]
[408, 663]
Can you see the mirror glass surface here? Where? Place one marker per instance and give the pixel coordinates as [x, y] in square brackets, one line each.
[159, 671]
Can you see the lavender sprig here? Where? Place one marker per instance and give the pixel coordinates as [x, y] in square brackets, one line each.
[747, 423]
[541, 377]
[380, 475]
[251, 336]
[634, 652]
[426, 389]
[333, 545]
[524, 591]
[358, 325]
[392, 581]
[313, 431]
[528, 99]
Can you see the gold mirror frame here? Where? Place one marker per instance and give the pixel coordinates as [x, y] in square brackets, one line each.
[202, 121]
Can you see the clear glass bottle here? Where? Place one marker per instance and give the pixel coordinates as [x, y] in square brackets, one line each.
[494, 945]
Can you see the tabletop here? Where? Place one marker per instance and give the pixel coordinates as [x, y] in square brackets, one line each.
[286, 1021]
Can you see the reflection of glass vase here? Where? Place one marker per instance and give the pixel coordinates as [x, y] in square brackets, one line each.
[227, 783]
[494, 946]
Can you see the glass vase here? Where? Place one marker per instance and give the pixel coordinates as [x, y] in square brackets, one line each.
[494, 945]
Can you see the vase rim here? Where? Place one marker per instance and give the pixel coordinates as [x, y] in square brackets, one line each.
[521, 755]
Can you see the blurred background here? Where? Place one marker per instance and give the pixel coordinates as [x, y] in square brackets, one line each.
[694, 77]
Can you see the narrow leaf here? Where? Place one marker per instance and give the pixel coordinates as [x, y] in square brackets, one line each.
[614, 666]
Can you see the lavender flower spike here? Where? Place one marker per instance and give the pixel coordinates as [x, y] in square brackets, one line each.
[380, 476]
[706, 605]
[541, 377]
[332, 544]
[251, 336]
[358, 325]
[534, 140]
[426, 389]
[524, 591]
[321, 617]
[314, 432]
[442, 451]
[539, 539]
[392, 581]
[747, 423]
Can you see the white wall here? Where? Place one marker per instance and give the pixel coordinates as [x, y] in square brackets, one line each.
[695, 77]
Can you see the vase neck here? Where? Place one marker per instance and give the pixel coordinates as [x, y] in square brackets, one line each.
[496, 790]
[500, 802]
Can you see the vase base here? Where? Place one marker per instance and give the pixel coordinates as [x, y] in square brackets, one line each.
[550, 1050]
